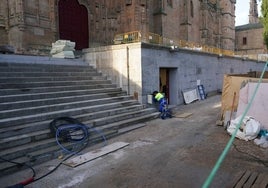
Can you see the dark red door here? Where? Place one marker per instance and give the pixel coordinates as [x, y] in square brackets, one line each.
[73, 23]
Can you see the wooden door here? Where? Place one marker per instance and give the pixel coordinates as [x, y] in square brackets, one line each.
[164, 81]
[73, 23]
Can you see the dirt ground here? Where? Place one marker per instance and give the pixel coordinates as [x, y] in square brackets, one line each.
[176, 152]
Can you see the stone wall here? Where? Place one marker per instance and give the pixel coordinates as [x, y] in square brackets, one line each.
[135, 68]
[28, 26]
[120, 63]
[254, 40]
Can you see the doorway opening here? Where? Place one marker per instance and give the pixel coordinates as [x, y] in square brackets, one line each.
[73, 23]
[164, 82]
[168, 84]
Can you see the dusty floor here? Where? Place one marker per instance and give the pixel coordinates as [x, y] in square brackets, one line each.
[177, 152]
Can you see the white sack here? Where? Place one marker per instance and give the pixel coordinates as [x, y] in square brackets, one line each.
[249, 128]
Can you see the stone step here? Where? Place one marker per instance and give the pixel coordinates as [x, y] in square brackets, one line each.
[7, 122]
[55, 94]
[46, 69]
[56, 150]
[120, 117]
[48, 89]
[49, 149]
[18, 67]
[127, 122]
[33, 136]
[23, 150]
[18, 80]
[130, 128]
[33, 84]
[8, 167]
[24, 102]
[90, 72]
[57, 107]
[14, 130]
[40, 145]
[36, 90]
[22, 139]
[42, 60]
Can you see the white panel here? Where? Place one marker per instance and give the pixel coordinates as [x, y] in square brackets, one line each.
[190, 96]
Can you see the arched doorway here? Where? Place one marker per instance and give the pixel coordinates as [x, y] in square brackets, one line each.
[73, 23]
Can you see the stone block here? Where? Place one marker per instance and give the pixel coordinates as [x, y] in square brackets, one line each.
[64, 54]
[63, 49]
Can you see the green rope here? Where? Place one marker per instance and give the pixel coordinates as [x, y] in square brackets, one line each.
[229, 144]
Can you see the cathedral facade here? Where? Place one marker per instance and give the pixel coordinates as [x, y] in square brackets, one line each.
[31, 26]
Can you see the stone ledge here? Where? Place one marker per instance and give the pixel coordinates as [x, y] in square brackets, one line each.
[7, 49]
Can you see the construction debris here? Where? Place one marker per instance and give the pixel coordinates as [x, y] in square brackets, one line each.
[249, 128]
[63, 49]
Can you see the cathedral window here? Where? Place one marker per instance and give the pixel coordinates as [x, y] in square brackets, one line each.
[244, 40]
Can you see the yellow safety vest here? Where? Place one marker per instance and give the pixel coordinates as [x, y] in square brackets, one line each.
[158, 96]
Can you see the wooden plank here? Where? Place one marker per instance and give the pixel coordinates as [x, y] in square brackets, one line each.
[236, 179]
[259, 180]
[264, 182]
[183, 115]
[251, 180]
[243, 179]
[78, 160]
[219, 122]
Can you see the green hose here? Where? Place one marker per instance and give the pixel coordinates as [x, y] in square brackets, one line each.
[229, 144]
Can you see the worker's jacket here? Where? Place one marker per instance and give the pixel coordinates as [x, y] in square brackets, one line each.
[159, 96]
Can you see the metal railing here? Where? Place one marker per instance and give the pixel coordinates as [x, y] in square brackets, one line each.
[258, 57]
[153, 38]
[128, 37]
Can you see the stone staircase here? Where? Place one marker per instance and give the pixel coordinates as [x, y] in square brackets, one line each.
[34, 94]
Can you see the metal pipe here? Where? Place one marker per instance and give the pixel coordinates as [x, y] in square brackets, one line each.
[128, 82]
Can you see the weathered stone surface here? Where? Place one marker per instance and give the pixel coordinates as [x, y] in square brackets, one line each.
[37, 24]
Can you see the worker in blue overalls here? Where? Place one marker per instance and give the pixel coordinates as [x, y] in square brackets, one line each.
[160, 98]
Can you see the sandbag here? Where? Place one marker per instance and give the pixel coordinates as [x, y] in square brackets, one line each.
[248, 130]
